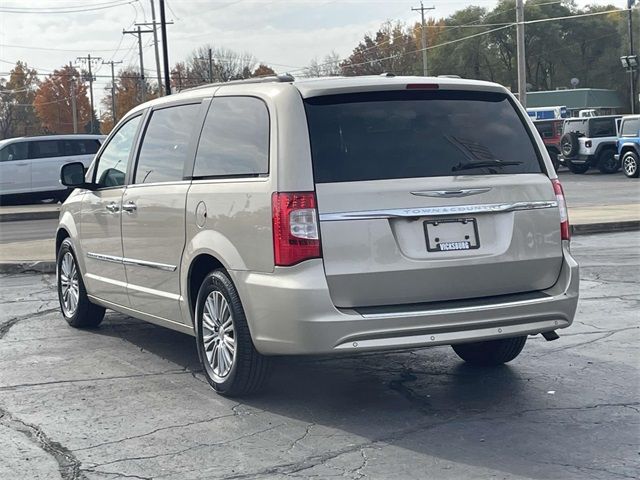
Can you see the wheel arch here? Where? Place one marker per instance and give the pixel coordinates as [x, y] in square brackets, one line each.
[199, 268]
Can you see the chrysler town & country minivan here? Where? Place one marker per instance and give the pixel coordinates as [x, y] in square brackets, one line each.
[322, 216]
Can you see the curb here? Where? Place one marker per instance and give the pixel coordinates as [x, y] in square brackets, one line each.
[21, 216]
[605, 227]
[580, 229]
[28, 267]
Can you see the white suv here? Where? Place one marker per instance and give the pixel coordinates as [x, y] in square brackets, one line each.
[30, 166]
[322, 216]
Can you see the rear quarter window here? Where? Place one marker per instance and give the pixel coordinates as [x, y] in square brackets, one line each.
[408, 134]
[602, 127]
[630, 127]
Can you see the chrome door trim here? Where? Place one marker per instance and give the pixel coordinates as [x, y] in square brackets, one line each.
[451, 193]
[436, 211]
[104, 258]
[131, 261]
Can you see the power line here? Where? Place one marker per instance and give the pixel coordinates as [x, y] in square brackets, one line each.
[63, 10]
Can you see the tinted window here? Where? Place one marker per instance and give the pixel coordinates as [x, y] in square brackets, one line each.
[45, 149]
[630, 127]
[545, 129]
[602, 127]
[80, 147]
[165, 144]
[404, 134]
[14, 151]
[112, 164]
[235, 138]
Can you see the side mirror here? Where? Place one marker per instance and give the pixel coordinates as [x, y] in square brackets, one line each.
[72, 175]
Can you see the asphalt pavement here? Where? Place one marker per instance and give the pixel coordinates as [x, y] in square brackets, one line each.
[128, 400]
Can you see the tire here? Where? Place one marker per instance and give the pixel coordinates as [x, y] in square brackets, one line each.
[492, 352]
[76, 307]
[630, 165]
[606, 161]
[218, 309]
[578, 168]
[569, 144]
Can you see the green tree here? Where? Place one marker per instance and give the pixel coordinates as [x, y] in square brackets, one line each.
[17, 93]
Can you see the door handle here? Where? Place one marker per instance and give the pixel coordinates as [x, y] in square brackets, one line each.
[129, 207]
[113, 207]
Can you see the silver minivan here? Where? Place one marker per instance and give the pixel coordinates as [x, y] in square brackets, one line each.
[322, 216]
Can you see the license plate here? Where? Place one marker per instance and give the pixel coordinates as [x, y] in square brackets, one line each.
[448, 235]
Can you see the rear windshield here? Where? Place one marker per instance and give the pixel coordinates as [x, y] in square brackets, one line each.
[408, 134]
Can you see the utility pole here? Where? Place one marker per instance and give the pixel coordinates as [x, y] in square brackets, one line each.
[74, 112]
[522, 72]
[138, 32]
[165, 49]
[424, 36]
[89, 60]
[632, 73]
[210, 66]
[113, 91]
[155, 47]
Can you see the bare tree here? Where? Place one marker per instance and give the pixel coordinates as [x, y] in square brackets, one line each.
[329, 67]
[225, 65]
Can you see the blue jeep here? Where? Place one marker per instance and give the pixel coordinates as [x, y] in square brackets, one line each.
[629, 145]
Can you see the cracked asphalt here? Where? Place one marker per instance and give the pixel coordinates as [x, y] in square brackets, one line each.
[128, 400]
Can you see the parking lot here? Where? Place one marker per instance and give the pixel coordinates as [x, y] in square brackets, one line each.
[128, 400]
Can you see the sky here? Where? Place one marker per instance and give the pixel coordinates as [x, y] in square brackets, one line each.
[285, 34]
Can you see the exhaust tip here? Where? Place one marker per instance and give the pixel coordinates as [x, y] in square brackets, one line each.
[550, 336]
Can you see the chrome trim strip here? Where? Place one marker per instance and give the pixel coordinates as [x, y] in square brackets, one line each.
[451, 193]
[436, 211]
[144, 263]
[131, 261]
[472, 308]
[104, 258]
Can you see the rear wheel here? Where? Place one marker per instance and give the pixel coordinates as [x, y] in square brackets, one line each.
[630, 165]
[231, 363]
[607, 162]
[578, 168]
[76, 308]
[492, 352]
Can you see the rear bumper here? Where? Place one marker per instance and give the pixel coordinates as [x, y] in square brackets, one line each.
[580, 160]
[290, 312]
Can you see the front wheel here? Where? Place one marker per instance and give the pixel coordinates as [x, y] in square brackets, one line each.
[630, 165]
[76, 307]
[231, 363]
[492, 352]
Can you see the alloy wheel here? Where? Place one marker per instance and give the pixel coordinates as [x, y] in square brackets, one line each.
[218, 335]
[68, 284]
[630, 166]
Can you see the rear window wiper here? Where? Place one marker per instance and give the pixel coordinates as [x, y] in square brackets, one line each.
[483, 163]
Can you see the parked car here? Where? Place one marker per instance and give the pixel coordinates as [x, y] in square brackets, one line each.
[322, 216]
[551, 132]
[30, 166]
[629, 145]
[590, 142]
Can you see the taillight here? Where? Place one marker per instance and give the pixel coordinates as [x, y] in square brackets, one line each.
[295, 227]
[565, 231]
[587, 144]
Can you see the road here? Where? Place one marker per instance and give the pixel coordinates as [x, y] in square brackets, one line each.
[581, 190]
[128, 400]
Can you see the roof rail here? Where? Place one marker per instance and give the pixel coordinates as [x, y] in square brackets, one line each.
[285, 77]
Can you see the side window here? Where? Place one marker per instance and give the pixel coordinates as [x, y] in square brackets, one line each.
[112, 164]
[45, 149]
[165, 144]
[80, 147]
[235, 138]
[14, 151]
[630, 127]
